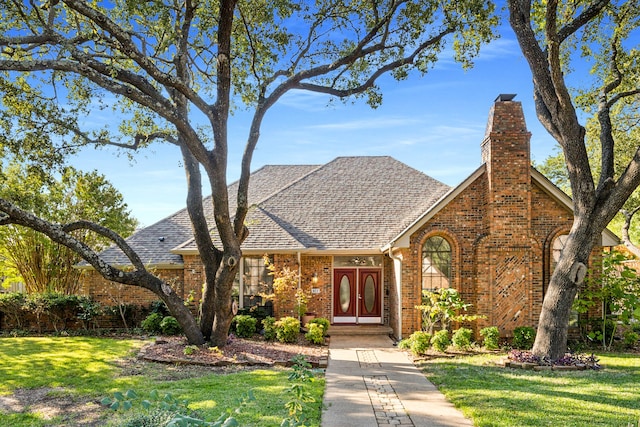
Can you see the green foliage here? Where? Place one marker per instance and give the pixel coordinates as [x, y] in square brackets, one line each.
[443, 306]
[322, 322]
[151, 324]
[315, 333]
[440, 340]
[491, 335]
[617, 290]
[288, 329]
[43, 265]
[420, 342]
[269, 327]
[631, 338]
[11, 304]
[170, 326]
[300, 396]
[190, 349]
[245, 325]
[89, 310]
[524, 337]
[171, 411]
[461, 338]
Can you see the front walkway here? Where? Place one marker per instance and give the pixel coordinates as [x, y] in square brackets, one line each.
[370, 383]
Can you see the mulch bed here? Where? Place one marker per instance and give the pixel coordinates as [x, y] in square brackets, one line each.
[238, 351]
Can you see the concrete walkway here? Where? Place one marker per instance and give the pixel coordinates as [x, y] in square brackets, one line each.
[370, 383]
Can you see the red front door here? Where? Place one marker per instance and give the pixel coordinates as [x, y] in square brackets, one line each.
[356, 295]
[345, 292]
[369, 293]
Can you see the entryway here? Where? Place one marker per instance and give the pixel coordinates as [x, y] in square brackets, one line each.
[357, 295]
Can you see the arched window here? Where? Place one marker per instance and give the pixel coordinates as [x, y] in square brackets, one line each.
[436, 264]
[557, 248]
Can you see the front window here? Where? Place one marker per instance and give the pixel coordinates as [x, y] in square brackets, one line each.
[436, 264]
[254, 281]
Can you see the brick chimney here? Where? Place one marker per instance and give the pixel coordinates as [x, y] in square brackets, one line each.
[506, 153]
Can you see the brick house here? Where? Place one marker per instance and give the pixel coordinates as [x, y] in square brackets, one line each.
[368, 234]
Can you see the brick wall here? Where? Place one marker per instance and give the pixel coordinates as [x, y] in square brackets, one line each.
[500, 228]
[111, 293]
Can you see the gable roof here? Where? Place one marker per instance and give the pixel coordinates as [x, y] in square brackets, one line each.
[402, 239]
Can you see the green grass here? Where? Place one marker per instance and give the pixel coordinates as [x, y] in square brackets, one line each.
[87, 369]
[494, 396]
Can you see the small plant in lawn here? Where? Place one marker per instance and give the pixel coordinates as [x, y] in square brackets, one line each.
[170, 326]
[168, 411]
[323, 322]
[151, 324]
[269, 328]
[440, 340]
[491, 337]
[315, 333]
[245, 325]
[523, 337]
[288, 329]
[461, 338]
[300, 395]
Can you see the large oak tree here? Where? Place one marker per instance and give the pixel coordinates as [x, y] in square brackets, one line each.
[558, 39]
[176, 68]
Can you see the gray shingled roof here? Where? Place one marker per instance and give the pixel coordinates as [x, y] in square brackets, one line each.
[357, 203]
[176, 229]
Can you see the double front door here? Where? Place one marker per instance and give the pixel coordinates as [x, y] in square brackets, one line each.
[357, 295]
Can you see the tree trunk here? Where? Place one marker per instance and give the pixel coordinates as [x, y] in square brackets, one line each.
[568, 276]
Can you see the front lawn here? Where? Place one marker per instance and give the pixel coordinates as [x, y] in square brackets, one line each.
[496, 397]
[60, 380]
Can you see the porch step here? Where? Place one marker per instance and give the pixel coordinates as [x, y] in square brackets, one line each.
[359, 330]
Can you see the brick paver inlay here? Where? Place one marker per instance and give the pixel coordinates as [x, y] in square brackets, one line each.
[367, 359]
[386, 404]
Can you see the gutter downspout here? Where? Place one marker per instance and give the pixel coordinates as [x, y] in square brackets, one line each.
[397, 271]
[299, 255]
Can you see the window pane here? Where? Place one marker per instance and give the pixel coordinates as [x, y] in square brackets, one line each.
[255, 280]
[436, 263]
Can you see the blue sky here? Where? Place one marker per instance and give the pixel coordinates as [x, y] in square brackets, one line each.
[434, 123]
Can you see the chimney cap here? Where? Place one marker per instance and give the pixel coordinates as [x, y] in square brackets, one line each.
[505, 97]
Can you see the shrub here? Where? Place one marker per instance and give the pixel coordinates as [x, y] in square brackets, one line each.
[288, 329]
[151, 324]
[405, 344]
[245, 325]
[170, 326]
[440, 340]
[491, 336]
[315, 333]
[420, 342]
[523, 337]
[269, 328]
[158, 306]
[89, 310]
[461, 338]
[322, 322]
[12, 305]
[631, 338]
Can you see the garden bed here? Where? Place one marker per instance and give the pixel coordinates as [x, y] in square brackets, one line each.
[238, 351]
